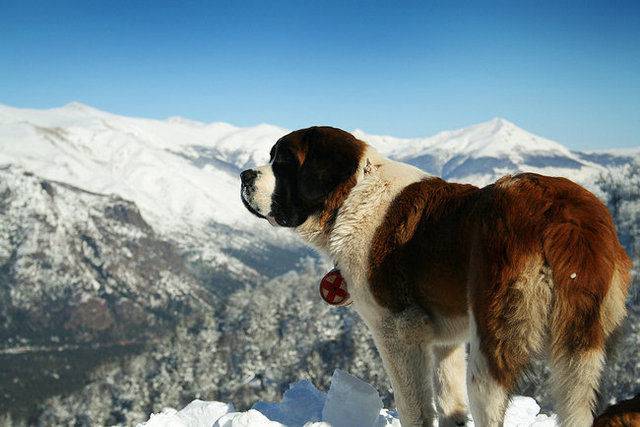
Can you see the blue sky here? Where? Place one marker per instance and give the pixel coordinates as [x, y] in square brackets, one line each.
[569, 71]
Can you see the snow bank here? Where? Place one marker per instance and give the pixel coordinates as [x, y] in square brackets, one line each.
[349, 402]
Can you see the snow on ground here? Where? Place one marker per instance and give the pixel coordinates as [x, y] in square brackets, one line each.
[350, 402]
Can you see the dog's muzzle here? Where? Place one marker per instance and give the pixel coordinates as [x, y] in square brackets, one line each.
[247, 189]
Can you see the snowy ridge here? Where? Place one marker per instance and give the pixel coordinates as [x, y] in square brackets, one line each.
[183, 173]
[494, 138]
[481, 153]
[349, 402]
[182, 176]
[150, 162]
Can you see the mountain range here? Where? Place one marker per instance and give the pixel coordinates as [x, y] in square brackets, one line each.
[89, 199]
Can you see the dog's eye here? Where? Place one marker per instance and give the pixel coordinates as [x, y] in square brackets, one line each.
[281, 164]
[283, 157]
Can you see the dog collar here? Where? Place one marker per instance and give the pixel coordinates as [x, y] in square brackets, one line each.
[367, 167]
[333, 289]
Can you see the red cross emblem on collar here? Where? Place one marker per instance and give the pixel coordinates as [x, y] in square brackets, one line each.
[333, 289]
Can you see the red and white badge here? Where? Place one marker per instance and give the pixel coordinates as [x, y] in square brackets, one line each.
[333, 289]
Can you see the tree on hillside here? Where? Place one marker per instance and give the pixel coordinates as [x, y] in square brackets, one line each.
[621, 188]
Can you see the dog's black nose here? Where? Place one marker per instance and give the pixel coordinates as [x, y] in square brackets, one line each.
[248, 176]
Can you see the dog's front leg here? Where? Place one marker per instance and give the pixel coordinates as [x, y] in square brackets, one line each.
[409, 363]
[450, 385]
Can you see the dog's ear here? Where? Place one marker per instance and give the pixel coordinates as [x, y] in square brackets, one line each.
[332, 156]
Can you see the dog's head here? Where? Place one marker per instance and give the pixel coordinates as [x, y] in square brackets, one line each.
[310, 172]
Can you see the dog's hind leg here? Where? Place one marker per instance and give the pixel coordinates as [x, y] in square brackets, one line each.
[574, 383]
[487, 397]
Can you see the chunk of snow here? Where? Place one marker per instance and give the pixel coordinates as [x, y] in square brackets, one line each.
[300, 404]
[525, 411]
[199, 413]
[346, 394]
[245, 419]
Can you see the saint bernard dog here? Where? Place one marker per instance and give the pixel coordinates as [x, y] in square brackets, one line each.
[527, 268]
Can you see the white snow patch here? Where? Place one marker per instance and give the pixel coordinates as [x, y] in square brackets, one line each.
[196, 414]
[349, 402]
[524, 411]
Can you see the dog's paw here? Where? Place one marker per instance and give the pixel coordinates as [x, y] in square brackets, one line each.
[458, 419]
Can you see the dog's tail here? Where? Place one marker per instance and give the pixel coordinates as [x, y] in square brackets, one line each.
[591, 277]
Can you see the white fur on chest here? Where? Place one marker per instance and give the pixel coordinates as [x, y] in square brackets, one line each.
[358, 219]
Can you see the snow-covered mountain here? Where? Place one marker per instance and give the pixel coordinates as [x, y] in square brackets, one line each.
[182, 176]
[481, 153]
[178, 172]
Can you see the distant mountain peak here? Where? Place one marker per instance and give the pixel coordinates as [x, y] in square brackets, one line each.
[78, 106]
[183, 121]
[494, 126]
[498, 136]
[500, 121]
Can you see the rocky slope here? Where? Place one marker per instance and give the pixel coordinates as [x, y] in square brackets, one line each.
[82, 267]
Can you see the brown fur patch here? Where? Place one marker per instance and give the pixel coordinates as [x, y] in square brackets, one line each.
[622, 414]
[333, 203]
[532, 215]
[416, 252]
[440, 240]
